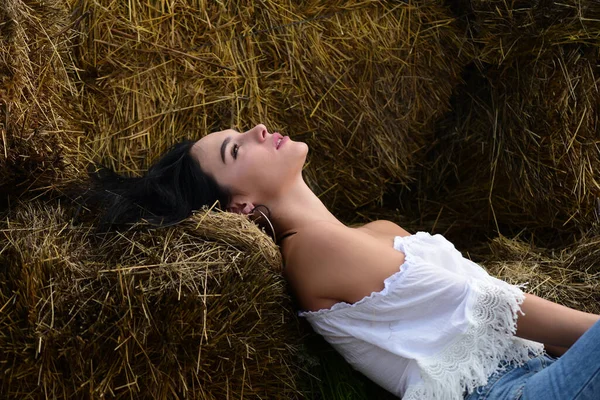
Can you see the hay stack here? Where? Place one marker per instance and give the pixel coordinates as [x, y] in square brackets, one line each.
[520, 150]
[507, 30]
[569, 276]
[543, 105]
[196, 311]
[39, 121]
[360, 82]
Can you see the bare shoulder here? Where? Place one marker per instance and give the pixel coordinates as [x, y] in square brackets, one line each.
[335, 262]
[385, 227]
[327, 239]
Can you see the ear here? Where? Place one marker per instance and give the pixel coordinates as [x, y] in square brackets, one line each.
[240, 207]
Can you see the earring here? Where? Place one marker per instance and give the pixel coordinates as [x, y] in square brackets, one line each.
[268, 221]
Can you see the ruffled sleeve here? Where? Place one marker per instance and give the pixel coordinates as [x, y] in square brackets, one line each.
[488, 324]
[441, 313]
[484, 308]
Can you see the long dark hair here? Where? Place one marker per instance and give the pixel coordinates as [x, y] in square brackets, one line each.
[173, 187]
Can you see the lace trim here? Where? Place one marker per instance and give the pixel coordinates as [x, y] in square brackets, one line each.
[467, 363]
[399, 241]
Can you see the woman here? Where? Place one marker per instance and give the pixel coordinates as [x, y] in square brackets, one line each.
[408, 311]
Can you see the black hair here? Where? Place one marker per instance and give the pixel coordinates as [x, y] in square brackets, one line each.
[169, 192]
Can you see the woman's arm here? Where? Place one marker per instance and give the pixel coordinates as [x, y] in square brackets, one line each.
[555, 351]
[554, 325]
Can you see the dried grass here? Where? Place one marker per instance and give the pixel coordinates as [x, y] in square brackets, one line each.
[197, 310]
[39, 122]
[473, 127]
[360, 82]
[520, 150]
[509, 30]
[569, 276]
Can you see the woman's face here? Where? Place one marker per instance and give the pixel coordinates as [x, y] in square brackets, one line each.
[250, 164]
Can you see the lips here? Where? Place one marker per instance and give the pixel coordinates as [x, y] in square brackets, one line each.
[278, 140]
[283, 141]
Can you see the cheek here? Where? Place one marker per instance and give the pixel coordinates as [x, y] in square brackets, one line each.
[259, 170]
[246, 172]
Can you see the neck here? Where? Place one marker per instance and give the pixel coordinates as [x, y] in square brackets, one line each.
[297, 208]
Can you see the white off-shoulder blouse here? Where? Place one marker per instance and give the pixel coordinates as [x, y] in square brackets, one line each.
[437, 330]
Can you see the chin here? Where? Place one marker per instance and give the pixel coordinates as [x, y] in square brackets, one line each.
[303, 151]
[304, 147]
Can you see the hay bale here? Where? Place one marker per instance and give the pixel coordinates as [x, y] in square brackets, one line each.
[373, 106]
[39, 121]
[568, 276]
[520, 150]
[196, 310]
[507, 30]
[360, 82]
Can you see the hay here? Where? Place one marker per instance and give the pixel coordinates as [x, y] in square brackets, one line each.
[143, 313]
[520, 150]
[370, 86]
[569, 276]
[360, 82]
[39, 123]
[508, 30]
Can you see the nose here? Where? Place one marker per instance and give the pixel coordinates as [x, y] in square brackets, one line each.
[259, 132]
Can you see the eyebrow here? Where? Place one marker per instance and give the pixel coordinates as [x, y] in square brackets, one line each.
[223, 146]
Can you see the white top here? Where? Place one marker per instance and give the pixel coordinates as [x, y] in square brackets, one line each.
[437, 330]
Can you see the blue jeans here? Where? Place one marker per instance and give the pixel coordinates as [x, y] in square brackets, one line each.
[573, 376]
